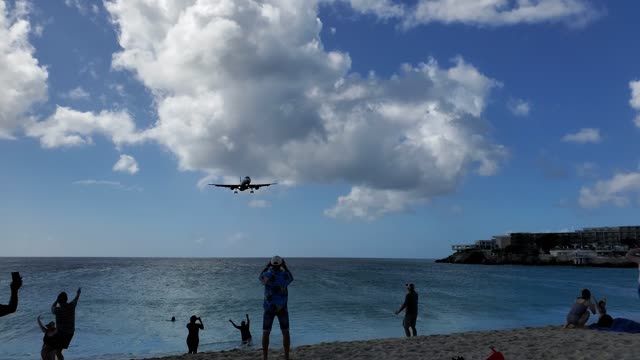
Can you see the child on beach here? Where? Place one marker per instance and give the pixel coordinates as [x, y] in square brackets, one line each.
[193, 339]
[50, 341]
[578, 316]
[244, 330]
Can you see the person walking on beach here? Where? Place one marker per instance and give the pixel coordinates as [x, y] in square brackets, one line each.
[50, 340]
[245, 333]
[15, 285]
[193, 339]
[578, 316]
[65, 313]
[634, 255]
[410, 306]
[276, 277]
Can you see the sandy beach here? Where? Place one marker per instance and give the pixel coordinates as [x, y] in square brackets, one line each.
[551, 342]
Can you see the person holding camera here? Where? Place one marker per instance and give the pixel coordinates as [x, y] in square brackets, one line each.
[410, 306]
[276, 277]
[193, 339]
[65, 313]
[16, 283]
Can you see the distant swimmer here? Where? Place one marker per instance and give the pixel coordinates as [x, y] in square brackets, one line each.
[245, 184]
[173, 318]
[15, 285]
[245, 333]
[634, 255]
[410, 306]
[193, 339]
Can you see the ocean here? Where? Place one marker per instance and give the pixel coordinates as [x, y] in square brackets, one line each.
[126, 303]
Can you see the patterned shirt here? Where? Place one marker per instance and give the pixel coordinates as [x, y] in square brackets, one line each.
[275, 289]
[66, 317]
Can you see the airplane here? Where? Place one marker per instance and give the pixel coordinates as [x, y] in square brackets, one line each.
[245, 184]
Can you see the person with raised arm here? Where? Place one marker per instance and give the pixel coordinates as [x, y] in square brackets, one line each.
[276, 277]
[15, 285]
[65, 313]
[49, 341]
[245, 333]
[193, 339]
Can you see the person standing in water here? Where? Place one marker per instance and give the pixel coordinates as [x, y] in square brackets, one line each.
[193, 339]
[276, 277]
[244, 330]
[410, 306]
[50, 340]
[66, 319]
[634, 255]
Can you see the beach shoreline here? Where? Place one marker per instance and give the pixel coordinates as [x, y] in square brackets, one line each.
[549, 342]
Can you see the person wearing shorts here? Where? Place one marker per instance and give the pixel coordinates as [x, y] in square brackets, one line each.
[276, 277]
[410, 306]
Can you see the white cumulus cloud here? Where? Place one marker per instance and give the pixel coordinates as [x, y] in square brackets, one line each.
[77, 93]
[519, 107]
[68, 127]
[266, 95]
[126, 163]
[586, 135]
[635, 94]
[23, 82]
[620, 191]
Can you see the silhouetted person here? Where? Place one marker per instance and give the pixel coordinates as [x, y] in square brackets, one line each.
[244, 330]
[49, 341]
[193, 339]
[65, 313]
[276, 277]
[13, 301]
[410, 306]
[173, 318]
[579, 313]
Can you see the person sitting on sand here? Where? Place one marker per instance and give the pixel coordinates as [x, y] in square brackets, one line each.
[50, 341]
[604, 319]
[634, 255]
[244, 330]
[411, 314]
[578, 316]
[193, 339]
[13, 300]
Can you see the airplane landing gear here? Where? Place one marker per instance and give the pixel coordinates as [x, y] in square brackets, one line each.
[235, 192]
[252, 191]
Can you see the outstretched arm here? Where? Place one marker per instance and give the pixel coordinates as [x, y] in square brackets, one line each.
[632, 255]
[248, 321]
[44, 329]
[234, 324]
[13, 300]
[75, 299]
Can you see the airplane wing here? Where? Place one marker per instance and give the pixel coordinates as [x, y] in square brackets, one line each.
[258, 186]
[232, 187]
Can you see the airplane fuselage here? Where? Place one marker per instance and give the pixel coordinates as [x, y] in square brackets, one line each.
[244, 184]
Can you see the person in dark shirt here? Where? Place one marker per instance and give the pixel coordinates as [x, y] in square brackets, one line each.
[244, 330]
[65, 319]
[193, 339]
[604, 319]
[13, 301]
[410, 306]
[276, 277]
[49, 341]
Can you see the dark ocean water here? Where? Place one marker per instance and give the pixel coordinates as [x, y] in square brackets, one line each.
[126, 303]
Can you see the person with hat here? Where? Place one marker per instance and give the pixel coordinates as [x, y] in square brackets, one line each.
[410, 306]
[50, 341]
[276, 277]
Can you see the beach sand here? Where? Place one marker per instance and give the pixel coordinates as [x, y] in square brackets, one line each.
[551, 342]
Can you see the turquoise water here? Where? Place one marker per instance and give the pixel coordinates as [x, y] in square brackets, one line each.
[126, 303]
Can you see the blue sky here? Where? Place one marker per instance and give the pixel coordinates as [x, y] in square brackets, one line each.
[395, 129]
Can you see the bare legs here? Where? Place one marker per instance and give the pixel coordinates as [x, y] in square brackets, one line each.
[286, 342]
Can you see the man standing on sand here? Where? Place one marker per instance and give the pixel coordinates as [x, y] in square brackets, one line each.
[276, 277]
[65, 319]
[13, 301]
[634, 255]
[411, 310]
